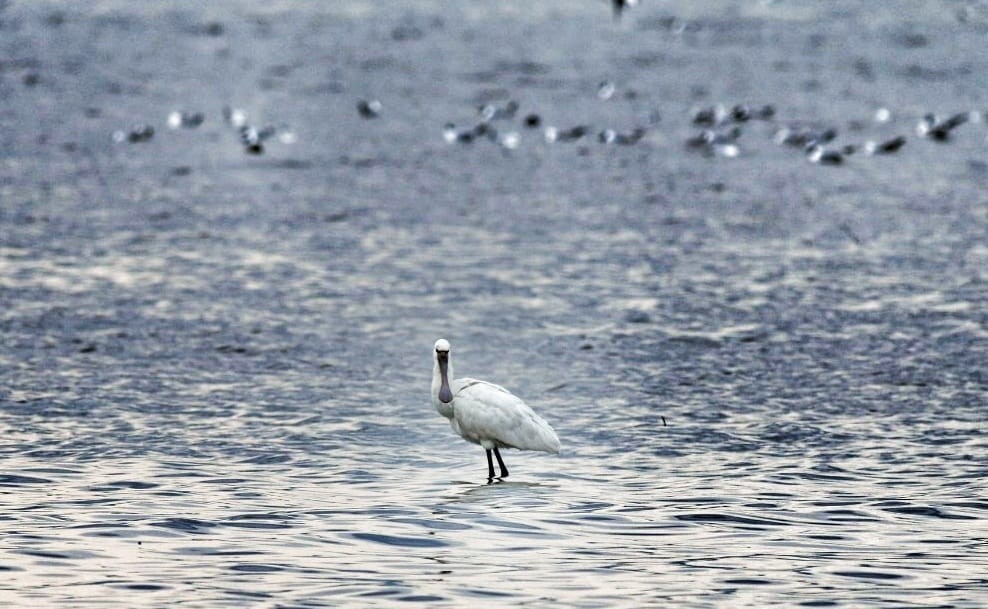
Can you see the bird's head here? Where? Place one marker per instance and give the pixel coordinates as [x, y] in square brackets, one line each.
[442, 362]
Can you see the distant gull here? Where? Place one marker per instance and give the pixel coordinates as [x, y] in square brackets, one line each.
[490, 112]
[887, 147]
[801, 137]
[369, 109]
[187, 120]
[933, 127]
[552, 134]
[235, 117]
[710, 116]
[137, 133]
[816, 153]
[626, 138]
[711, 142]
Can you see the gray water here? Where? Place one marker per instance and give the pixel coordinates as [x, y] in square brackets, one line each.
[215, 367]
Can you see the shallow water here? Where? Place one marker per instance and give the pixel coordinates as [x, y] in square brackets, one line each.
[215, 368]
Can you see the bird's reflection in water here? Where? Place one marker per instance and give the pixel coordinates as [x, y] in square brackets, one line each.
[496, 488]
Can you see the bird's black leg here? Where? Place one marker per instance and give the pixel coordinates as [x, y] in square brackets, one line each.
[500, 462]
[490, 465]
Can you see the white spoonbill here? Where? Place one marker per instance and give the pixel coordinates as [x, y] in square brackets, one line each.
[486, 414]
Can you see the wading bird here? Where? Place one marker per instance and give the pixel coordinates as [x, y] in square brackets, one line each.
[486, 414]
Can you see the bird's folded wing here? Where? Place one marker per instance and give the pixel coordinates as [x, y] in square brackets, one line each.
[484, 410]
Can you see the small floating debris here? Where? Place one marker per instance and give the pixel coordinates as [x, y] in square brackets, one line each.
[637, 317]
[186, 120]
[930, 126]
[849, 232]
[533, 120]
[887, 147]
[820, 155]
[369, 109]
[137, 133]
[605, 90]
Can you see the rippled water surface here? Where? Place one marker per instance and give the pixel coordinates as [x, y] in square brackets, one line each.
[769, 376]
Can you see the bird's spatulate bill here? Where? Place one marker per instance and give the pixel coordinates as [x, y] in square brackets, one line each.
[445, 395]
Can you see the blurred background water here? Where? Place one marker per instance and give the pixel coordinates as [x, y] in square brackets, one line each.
[215, 366]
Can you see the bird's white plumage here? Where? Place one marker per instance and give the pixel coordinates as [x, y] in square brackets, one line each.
[488, 414]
